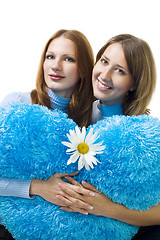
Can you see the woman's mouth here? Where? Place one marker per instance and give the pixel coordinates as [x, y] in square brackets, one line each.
[55, 77]
[102, 86]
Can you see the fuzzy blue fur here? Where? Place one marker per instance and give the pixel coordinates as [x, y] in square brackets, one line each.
[30, 147]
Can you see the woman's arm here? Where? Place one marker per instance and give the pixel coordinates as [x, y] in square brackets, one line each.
[14, 187]
[103, 206]
[47, 189]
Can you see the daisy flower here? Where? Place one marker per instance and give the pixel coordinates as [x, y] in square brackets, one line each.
[83, 148]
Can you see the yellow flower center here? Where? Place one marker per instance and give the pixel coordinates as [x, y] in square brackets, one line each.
[83, 148]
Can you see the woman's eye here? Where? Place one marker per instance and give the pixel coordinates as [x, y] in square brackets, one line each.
[49, 57]
[104, 61]
[119, 70]
[69, 59]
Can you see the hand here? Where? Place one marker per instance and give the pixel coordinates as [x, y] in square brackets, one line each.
[74, 200]
[83, 194]
[103, 206]
[48, 189]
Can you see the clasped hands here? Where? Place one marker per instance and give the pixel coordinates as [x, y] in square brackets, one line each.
[83, 198]
[72, 196]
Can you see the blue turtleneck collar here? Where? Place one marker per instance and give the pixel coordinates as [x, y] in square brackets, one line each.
[58, 102]
[101, 111]
[109, 111]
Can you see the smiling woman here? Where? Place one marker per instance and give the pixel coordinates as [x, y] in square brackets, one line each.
[136, 67]
[124, 79]
[111, 77]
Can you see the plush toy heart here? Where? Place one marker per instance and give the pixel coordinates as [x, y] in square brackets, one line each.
[31, 147]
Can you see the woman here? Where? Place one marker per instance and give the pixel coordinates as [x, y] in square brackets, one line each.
[63, 72]
[124, 80]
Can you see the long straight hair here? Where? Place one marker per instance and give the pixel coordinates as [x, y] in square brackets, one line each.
[80, 106]
[141, 65]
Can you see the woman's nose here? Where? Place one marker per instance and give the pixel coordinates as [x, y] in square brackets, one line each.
[57, 65]
[106, 74]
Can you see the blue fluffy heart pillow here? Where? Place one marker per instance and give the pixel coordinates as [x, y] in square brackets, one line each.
[31, 147]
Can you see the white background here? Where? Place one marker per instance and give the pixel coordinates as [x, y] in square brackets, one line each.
[25, 26]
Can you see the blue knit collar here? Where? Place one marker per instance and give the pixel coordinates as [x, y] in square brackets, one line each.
[109, 111]
[58, 102]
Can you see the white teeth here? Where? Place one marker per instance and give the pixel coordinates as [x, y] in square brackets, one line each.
[103, 86]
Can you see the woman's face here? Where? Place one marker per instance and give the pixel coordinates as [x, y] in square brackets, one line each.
[111, 78]
[60, 67]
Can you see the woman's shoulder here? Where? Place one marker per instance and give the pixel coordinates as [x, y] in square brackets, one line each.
[96, 114]
[18, 97]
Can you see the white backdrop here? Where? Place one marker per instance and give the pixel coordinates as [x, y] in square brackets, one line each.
[25, 26]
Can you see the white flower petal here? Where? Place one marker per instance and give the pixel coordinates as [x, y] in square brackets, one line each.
[92, 139]
[87, 166]
[88, 160]
[94, 160]
[91, 152]
[71, 150]
[83, 132]
[79, 137]
[73, 139]
[73, 158]
[67, 144]
[97, 149]
[89, 135]
[99, 152]
[71, 132]
[77, 130]
[81, 162]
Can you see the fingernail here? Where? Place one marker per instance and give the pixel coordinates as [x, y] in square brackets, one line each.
[90, 207]
[92, 194]
[86, 213]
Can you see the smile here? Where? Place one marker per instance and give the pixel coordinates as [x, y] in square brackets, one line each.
[102, 86]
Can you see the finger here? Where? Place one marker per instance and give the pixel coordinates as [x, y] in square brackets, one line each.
[66, 174]
[69, 191]
[74, 203]
[78, 189]
[65, 201]
[73, 174]
[90, 186]
[72, 181]
[68, 209]
[74, 210]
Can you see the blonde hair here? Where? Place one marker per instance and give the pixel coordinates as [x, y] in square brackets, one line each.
[141, 65]
[80, 106]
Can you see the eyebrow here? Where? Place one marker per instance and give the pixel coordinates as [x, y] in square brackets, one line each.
[65, 55]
